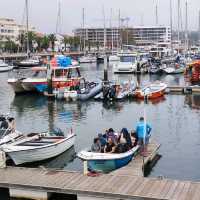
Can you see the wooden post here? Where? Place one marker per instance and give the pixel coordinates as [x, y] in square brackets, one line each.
[49, 80]
[85, 167]
[2, 159]
[105, 69]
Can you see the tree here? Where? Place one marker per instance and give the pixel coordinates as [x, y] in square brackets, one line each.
[45, 42]
[66, 41]
[52, 39]
[38, 40]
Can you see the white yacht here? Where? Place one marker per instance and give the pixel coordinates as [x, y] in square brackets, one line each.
[88, 59]
[127, 63]
[29, 62]
[4, 67]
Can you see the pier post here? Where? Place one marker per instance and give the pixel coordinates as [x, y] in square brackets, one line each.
[85, 167]
[2, 159]
[105, 69]
[49, 80]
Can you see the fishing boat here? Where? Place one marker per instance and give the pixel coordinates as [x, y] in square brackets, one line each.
[4, 67]
[127, 63]
[38, 146]
[151, 91]
[107, 162]
[116, 91]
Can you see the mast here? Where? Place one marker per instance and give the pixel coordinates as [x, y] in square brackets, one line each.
[157, 14]
[84, 31]
[119, 30]
[199, 27]
[27, 29]
[111, 27]
[186, 27]
[171, 27]
[104, 24]
[58, 23]
[178, 24]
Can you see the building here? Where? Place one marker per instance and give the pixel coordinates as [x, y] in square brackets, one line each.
[9, 29]
[140, 36]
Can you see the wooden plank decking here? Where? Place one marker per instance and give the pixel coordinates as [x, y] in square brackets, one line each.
[135, 167]
[105, 186]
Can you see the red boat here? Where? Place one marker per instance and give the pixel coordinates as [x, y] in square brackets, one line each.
[151, 91]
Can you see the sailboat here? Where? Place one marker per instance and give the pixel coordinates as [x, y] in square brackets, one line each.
[4, 67]
[29, 61]
[86, 58]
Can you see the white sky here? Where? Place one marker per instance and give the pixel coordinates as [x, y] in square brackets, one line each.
[43, 13]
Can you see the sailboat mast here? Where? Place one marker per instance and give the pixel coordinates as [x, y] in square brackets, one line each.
[171, 27]
[112, 43]
[186, 27]
[178, 24]
[199, 26]
[58, 24]
[104, 24]
[119, 30]
[27, 29]
[84, 31]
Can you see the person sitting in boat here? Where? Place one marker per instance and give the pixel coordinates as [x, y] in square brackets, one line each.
[102, 141]
[125, 139]
[134, 138]
[110, 146]
[96, 146]
[143, 132]
[110, 134]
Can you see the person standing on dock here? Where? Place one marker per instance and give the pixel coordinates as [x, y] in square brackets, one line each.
[143, 133]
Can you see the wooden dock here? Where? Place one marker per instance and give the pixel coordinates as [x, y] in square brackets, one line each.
[183, 89]
[77, 186]
[137, 165]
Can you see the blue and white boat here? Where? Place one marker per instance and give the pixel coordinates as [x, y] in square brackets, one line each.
[107, 162]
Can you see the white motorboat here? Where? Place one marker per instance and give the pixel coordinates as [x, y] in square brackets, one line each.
[29, 62]
[127, 63]
[88, 59]
[4, 67]
[37, 147]
[113, 58]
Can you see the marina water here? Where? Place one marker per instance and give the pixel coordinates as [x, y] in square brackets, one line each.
[175, 120]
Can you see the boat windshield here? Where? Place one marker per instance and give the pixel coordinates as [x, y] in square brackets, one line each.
[127, 59]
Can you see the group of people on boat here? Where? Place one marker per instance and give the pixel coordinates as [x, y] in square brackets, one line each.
[114, 142]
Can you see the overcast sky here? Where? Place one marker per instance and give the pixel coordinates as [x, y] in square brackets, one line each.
[43, 13]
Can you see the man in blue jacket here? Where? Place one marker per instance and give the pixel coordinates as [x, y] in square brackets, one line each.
[143, 132]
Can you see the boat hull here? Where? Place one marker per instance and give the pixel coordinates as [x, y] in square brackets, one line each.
[107, 166]
[6, 68]
[43, 153]
[16, 85]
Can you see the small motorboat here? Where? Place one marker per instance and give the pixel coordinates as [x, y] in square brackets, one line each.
[29, 62]
[4, 67]
[151, 91]
[116, 91]
[88, 59]
[107, 162]
[113, 58]
[174, 69]
[38, 146]
[82, 91]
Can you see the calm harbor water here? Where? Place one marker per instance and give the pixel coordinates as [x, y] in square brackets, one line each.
[175, 120]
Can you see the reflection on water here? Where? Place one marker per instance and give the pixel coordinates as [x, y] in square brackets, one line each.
[175, 120]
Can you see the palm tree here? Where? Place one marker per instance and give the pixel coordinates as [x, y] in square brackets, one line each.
[66, 41]
[38, 40]
[52, 39]
[45, 42]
